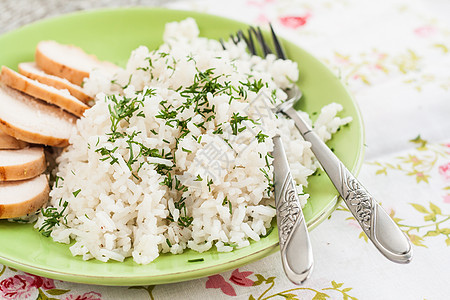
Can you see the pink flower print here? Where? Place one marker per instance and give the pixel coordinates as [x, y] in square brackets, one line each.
[218, 282]
[262, 19]
[240, 278]
[444, 170]
[45, 283]
[17, 287]
[294, 22]
[447, 198]
[425, 31]
[353, 223]
[86, 296]
[48, 283]
[259, 3]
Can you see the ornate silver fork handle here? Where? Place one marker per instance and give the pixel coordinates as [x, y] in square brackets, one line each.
[295, 246]
[375, 222]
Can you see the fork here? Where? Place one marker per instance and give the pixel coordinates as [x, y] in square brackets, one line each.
[384, 233]
[295, 245]
[293, 93]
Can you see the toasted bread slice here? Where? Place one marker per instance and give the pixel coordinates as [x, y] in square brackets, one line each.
[34, 121]
[23, 197]
[31, 70]
[68, 61]
[61, 98]
[22, 163]
[9, 142]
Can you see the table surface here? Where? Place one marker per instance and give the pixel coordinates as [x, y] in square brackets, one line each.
[394, 56]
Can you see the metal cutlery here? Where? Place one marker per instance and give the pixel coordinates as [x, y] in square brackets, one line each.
[373, 219]
[295, 246]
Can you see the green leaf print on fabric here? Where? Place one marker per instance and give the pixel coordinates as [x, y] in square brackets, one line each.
[148, 289]
[436, 225]
[421, 163]
[295, 293]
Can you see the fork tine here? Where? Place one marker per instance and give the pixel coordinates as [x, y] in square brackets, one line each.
[276, 42]
[261, 40]
[266, 48]
[235, 39]
[241, 35]
[250, 42]
[223, 44]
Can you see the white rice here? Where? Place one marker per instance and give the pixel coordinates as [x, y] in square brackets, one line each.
[118, 210]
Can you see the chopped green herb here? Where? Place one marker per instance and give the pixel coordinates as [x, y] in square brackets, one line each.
[196, 260]
[186, 150]
[260, 137]
[57, 179]
[269, 231]
[234, 245]
[75, 194]
[52, 218]
[255, 85]
[235, 121]
[209, 184]
[225, 201]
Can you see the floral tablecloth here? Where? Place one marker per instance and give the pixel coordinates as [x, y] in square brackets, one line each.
[394, 55]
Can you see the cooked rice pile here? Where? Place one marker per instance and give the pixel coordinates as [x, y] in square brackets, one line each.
[175, 153]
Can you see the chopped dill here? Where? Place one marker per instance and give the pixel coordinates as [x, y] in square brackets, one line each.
[209, 183]
[196, 260]
[186, 150]
[261, 137]
[233, 245]
[52, 218]
[57, 180]
[75, 194]
[269, 231]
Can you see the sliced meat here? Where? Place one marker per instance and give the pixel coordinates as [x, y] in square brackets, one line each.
[68, 61]
[61, 98]
[9, 142]
[34, 121]
[22, 164]
[31, 70]
[20, 198]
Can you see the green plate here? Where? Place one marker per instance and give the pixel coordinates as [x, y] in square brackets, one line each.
[112, 35]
